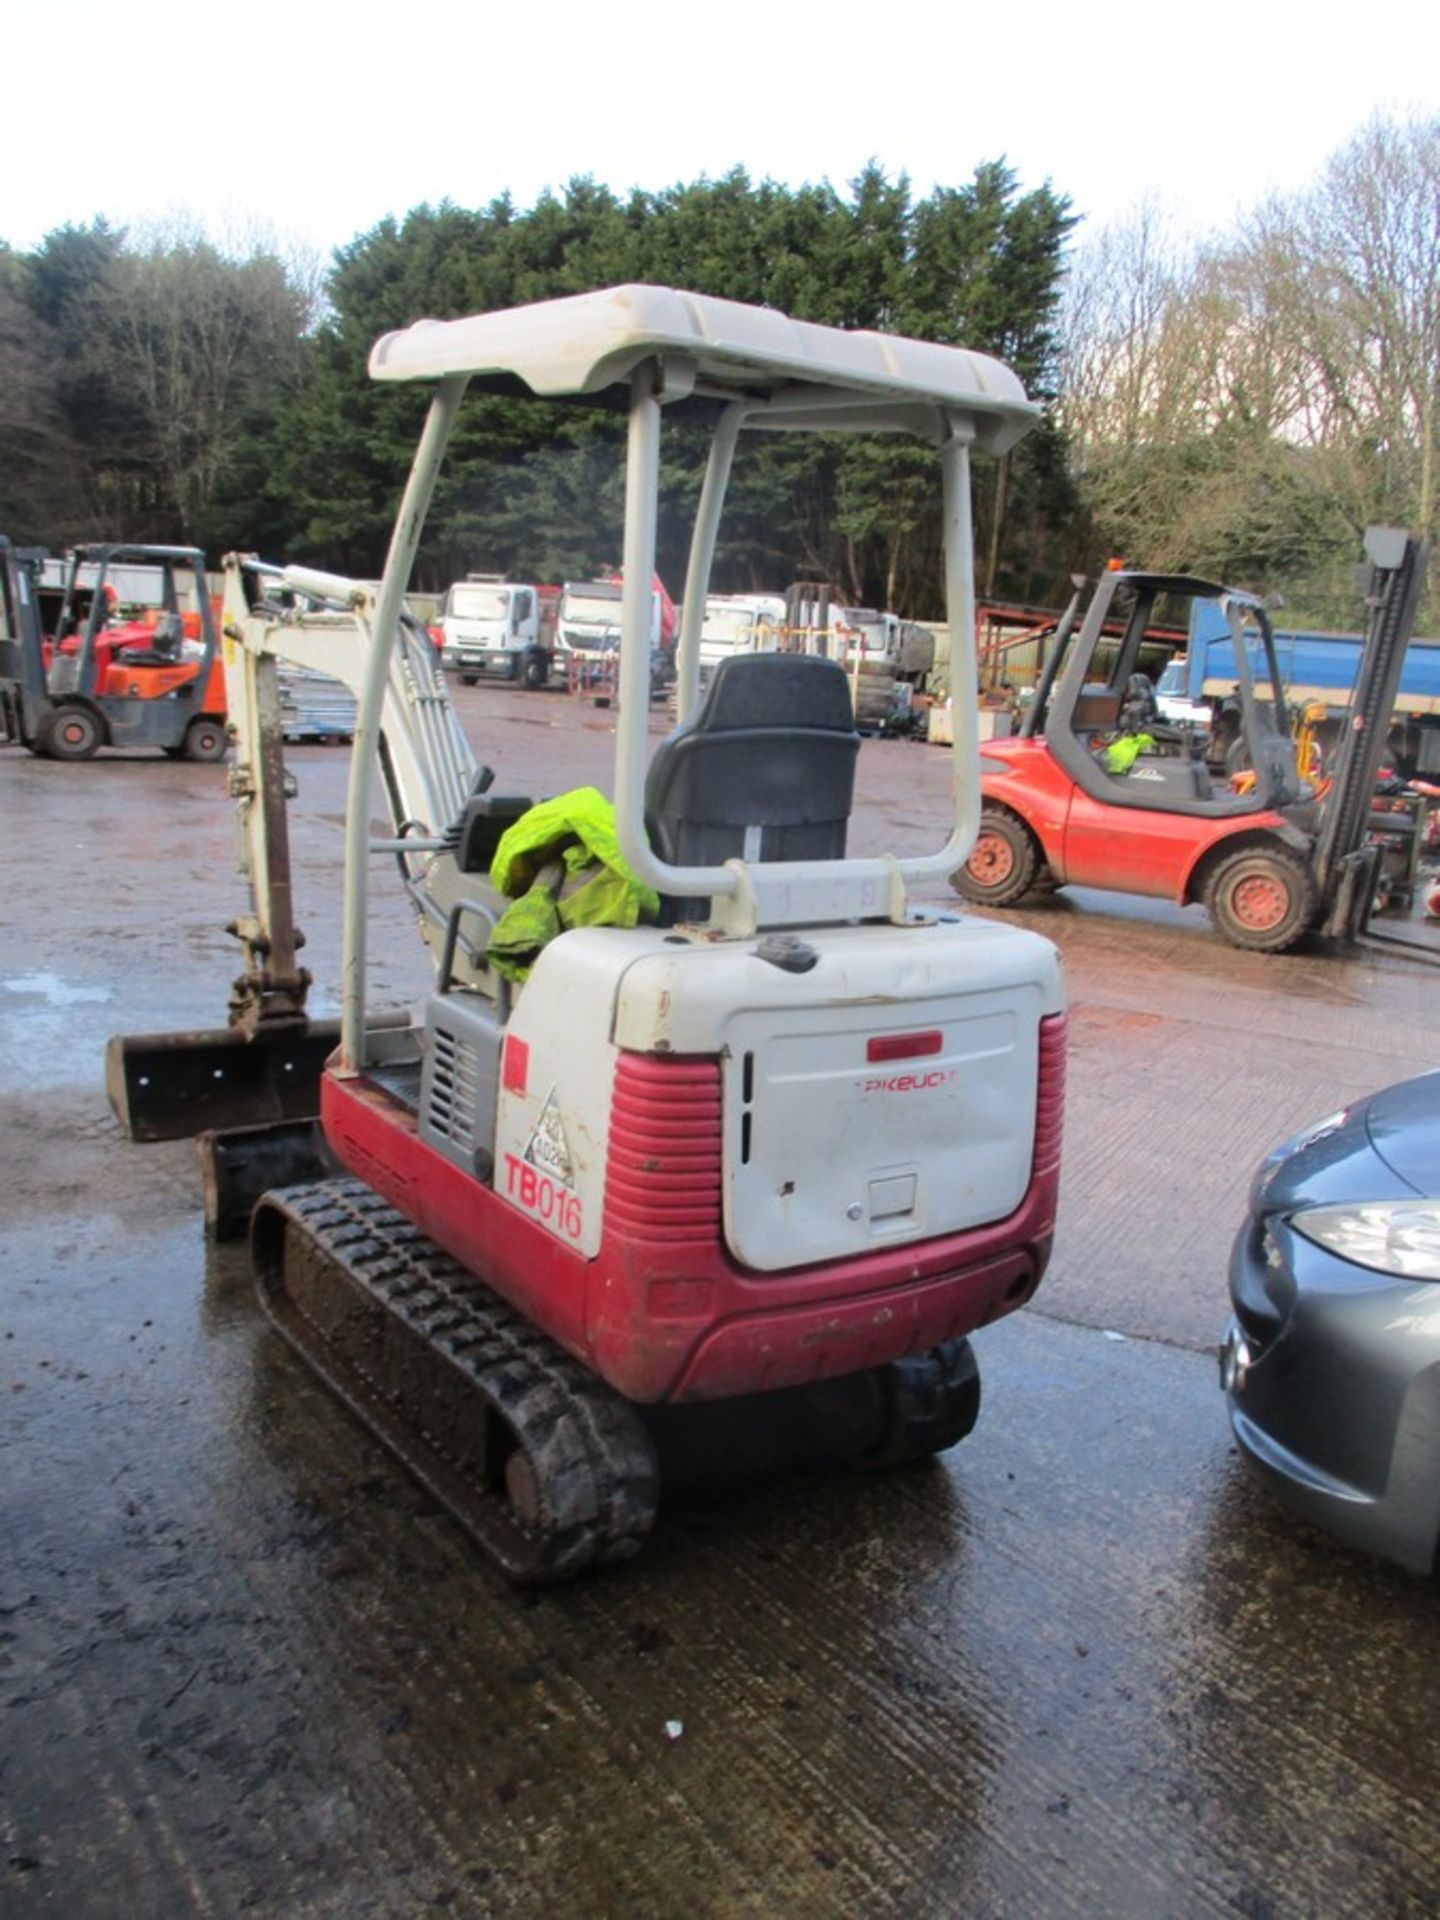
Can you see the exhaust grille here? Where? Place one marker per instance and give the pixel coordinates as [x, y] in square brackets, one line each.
[663, 1180]
[453, 1080]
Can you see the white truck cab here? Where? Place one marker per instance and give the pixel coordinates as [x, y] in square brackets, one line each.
[589, 621]
[864, 633]
[492, 625]
[1172, 697]
[739, 623]
[587, 630]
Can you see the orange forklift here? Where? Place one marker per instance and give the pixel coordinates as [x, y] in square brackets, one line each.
[153, 682]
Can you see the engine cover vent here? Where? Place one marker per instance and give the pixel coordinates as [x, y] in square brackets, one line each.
[459, 1080]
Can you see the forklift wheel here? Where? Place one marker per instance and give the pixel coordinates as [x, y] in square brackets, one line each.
[1003, 863]
[1261, 898]
[72, 733]
[205, 740]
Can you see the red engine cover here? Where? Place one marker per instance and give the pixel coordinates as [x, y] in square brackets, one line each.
[663, 1312]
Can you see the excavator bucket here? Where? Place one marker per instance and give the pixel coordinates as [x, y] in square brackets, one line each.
[172, 1086]
[252, 1104]
[240, 1165]
[175, 1086]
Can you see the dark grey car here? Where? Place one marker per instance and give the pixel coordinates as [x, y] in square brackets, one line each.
[1331, 1364]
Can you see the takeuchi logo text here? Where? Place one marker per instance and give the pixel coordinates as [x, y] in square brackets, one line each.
[908, 1082]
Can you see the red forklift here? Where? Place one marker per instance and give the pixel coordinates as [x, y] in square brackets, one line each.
[1098, 790]
[152, 682]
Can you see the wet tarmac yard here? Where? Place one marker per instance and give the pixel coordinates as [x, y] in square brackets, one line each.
[1080, 1666]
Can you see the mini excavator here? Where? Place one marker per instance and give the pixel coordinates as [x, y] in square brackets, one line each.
[800, 1134]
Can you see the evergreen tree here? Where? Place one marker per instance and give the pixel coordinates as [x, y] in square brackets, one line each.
[193, 398]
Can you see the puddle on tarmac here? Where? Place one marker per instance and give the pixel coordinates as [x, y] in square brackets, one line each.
[54, 991]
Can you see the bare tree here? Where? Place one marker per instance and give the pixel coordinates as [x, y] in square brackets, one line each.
[1145, 344]
[193, 339]
[1250, 406]
[1351, 270]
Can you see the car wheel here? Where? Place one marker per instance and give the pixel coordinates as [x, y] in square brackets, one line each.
[72, 733]
[1003, 863]
[205, 740]
[1261, 898]
[468, 679]
[537, 670]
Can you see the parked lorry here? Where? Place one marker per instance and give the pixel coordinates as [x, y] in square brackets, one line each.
[739, 623]
[1314, 668]
[490, 625]
[875, 638]
[884, 657]
[587, 633]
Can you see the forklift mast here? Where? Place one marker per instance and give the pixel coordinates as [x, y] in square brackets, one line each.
[23, 698]
[1344, 866]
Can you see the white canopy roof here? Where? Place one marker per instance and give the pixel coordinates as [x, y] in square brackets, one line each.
[798, 374]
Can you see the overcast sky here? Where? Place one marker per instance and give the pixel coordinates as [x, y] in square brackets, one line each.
[310, 123]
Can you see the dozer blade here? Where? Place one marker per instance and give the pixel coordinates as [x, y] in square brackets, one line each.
[547, 1468]
[241, 1164]
[170, 1086]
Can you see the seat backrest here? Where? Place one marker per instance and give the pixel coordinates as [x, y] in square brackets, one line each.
[1277, 776]
[1140, 706]
[765, 770]
[169, 635]
[1097, 709]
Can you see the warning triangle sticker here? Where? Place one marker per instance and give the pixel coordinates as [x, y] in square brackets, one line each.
[549, 1150]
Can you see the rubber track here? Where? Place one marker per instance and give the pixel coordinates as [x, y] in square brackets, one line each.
[932, 1401]
[427, 1357]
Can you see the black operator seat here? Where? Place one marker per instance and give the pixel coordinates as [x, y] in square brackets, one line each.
[166, 645]
[168, 640]
[765, 769]
[1141, 709]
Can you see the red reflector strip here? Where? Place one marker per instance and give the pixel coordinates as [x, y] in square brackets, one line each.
[515, 1071]
[1050, 1093]
[904, 1046]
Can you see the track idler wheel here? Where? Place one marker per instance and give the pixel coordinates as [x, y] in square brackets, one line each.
[930, 1402]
